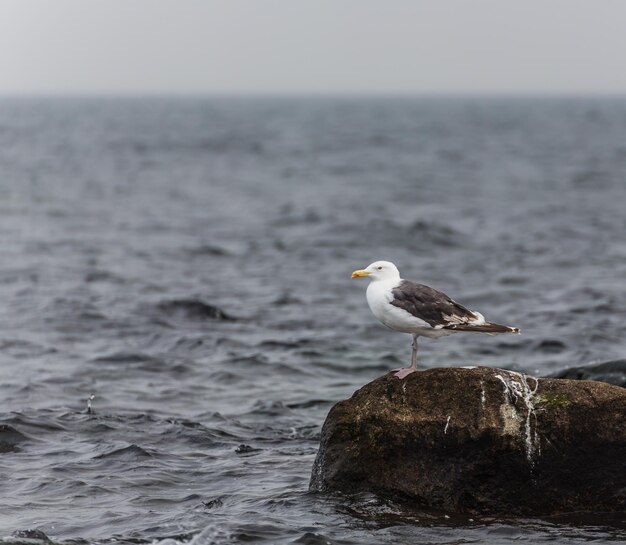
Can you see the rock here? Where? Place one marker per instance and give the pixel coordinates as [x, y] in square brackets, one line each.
[9, 438]
[29, 537]
[613, 372]
[479, 440]
[193, 309]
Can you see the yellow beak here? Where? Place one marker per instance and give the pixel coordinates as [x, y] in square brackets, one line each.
[360, 273]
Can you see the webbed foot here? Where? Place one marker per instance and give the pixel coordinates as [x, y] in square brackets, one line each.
[404, 372]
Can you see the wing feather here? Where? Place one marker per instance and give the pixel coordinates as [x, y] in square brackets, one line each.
[432, 306]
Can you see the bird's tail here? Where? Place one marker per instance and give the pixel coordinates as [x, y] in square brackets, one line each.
[486, 327]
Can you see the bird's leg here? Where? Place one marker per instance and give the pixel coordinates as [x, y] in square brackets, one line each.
[404, 371]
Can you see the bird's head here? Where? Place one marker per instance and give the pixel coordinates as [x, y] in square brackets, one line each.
[379, 270]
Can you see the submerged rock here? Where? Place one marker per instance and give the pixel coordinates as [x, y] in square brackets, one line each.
[28, 537]
[479, 440]
[613, 372]
[193, 309]
[9, 438]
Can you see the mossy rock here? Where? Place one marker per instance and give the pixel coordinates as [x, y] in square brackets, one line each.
[479, 440]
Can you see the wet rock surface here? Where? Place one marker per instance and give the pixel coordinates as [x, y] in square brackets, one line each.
[479, 440]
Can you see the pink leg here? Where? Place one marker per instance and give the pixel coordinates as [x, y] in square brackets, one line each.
[405, 371]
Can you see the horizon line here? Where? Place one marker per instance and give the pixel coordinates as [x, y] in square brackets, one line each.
[165, 94]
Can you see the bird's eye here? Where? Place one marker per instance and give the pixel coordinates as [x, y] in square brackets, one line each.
[380, 268]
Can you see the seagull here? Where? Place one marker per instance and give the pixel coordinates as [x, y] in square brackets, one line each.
[419, 310]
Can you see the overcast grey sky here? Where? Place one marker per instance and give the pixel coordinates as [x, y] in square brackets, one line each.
[312, 46]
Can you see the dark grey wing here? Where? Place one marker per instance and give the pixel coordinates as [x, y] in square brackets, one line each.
[432, 306]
